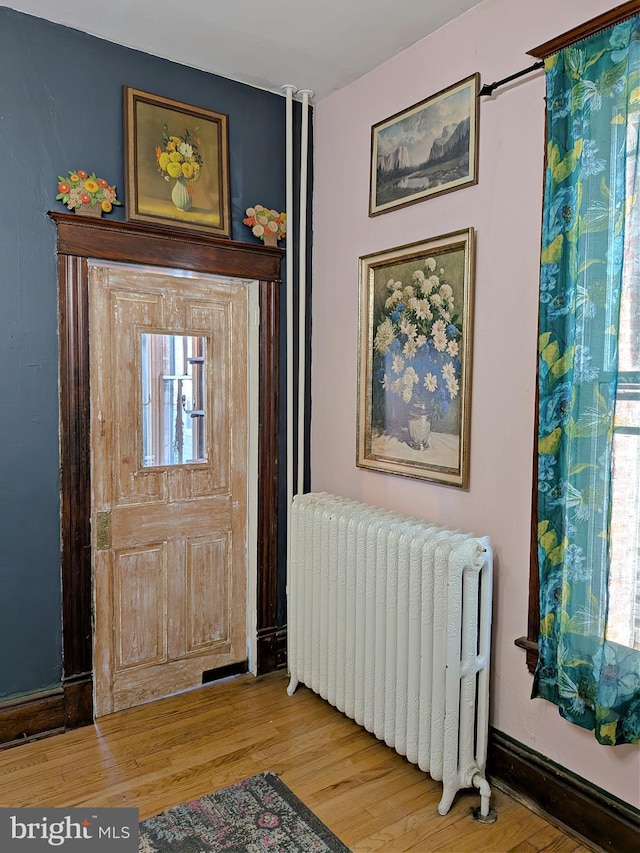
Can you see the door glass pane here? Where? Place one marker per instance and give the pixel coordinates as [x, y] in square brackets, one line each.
[173, 399]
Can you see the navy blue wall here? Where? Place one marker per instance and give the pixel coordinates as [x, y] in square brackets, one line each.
[61, 109]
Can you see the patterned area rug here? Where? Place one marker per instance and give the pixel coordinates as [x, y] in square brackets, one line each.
[258, 815]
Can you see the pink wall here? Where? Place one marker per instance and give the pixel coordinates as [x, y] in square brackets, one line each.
[505, 210]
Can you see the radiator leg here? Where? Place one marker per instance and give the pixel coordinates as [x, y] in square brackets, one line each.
[483, 813]
[293, 683]
[448, 795]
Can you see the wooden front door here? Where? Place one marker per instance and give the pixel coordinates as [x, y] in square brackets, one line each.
[168, 372]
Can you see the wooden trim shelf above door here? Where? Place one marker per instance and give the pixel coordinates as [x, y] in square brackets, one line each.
[128, 242]
[79, 239]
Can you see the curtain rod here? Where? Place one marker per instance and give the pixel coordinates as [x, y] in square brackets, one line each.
[489, 88]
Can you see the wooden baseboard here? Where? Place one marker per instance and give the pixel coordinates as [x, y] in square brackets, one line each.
[583, 808]
[78, 701]
[47, 713]
[31, 716]
[272, 649]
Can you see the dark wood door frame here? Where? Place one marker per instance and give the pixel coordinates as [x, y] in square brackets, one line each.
[78, 240]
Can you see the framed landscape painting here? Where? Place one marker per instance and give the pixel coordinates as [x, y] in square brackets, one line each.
[176, 164]
[414, 359]
[428, 149]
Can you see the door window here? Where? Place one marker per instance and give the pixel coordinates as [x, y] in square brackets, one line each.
[173, 399]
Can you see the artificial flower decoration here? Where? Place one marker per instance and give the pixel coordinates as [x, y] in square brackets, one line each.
[265, 223]
[82, 188]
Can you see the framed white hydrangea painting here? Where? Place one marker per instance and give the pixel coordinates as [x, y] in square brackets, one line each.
[414, 359]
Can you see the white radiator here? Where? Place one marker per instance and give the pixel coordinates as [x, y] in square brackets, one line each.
[389, 620]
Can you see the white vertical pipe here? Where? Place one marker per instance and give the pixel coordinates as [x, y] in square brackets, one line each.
[302, 283]
[289, 92]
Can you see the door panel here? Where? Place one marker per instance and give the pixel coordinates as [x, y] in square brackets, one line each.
[170, 584]
[207, 573]
[139, 597]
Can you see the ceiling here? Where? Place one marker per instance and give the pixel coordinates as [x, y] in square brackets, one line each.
[321, 45]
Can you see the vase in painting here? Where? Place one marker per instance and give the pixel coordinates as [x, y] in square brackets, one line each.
[419, 423]
[180, 195]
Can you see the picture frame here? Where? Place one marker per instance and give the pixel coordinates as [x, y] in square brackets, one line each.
[414, 359]
[176, 164]
[426, 150]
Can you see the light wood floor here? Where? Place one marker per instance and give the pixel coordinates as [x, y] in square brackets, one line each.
[167, 752]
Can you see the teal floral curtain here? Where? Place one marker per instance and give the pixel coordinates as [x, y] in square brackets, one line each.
[589, 252]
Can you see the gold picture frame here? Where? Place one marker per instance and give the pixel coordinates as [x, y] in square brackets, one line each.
[414, 359]
[176, 164]
[427, 149]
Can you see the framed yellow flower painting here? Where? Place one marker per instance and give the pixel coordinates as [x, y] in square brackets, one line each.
[414, 362]
[176, 164]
